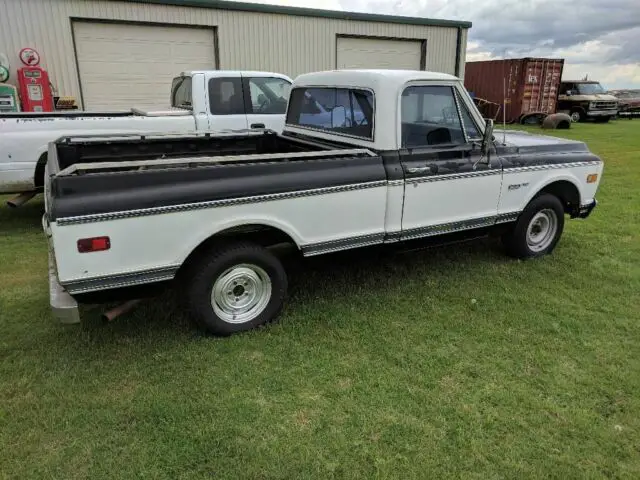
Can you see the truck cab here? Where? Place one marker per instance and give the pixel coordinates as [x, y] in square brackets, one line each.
[586, 99]
[232, 100]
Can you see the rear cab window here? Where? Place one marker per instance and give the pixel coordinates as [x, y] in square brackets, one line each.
[342, 111]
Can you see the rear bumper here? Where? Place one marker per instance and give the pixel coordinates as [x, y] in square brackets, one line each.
[63, 306]
[585, 210]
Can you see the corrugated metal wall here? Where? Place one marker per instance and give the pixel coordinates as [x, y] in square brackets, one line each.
[259, 41]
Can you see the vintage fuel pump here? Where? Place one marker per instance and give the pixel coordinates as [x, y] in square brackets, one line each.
[8, 93]
[33, 83]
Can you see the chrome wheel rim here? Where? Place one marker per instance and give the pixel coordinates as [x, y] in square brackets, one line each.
[241, 293]
[542, 230]
[575, 117]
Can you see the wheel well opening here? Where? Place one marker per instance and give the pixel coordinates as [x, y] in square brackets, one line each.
[563, 125]
[38, 177]
[568, 194]
[263, 235]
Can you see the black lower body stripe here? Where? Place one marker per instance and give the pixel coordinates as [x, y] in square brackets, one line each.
[130, 279]
[343, 244]
[507, 217]
[443, 228]
[427, 231]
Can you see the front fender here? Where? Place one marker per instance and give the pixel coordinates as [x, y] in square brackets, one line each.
[543, 183]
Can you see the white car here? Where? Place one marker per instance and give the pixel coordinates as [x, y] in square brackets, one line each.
[406, 158]
[201, 101]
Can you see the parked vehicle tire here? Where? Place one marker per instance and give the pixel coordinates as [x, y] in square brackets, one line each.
[577, 115]
[538, 229]
[236, 288]
[602, 119]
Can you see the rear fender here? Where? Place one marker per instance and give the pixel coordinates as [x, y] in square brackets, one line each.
[205, 234]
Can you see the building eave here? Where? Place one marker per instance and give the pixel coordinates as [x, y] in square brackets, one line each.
[309, 12]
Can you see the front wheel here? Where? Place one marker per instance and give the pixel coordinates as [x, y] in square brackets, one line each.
[236, 288]
[538, 228]
[577, 115]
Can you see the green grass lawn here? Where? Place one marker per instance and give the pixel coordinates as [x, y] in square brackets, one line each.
[455, 362]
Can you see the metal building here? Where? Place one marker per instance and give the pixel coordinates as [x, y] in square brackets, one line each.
[117, 54]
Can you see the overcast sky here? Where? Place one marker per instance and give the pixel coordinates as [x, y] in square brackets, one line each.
[599, 38]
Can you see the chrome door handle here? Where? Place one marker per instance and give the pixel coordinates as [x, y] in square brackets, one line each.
[419, 170]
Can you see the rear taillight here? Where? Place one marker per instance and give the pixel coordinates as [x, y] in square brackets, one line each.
[94, 244]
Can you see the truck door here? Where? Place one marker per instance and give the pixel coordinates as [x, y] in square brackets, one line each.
[226, 104]
[266, 101]
[447, 189]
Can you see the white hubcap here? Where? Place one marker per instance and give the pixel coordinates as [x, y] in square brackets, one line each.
[241, 293]
[542, 230]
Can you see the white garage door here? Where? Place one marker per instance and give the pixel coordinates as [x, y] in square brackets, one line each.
[378, 53]
[125, 65]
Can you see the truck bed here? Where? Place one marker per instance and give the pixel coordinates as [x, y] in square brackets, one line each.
[120, 148]
[93, 176]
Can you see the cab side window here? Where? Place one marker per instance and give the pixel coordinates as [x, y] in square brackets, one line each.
[430, 117]
[225, 96]
[269, 95]
[565, 87]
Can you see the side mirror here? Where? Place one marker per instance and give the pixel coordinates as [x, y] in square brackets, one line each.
[487, 140]
[338, 117]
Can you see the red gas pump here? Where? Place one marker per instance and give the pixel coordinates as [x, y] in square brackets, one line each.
[33, 83]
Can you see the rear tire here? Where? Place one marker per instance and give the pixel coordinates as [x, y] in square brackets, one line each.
[236, 288]
[537, 230]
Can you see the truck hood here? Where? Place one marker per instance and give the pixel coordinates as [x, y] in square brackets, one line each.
[516, 141]
[596, 97]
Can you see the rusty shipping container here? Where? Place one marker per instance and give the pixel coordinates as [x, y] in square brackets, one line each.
[532, 84]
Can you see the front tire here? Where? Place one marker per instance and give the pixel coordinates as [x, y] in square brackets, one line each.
[538, 229]
[577, 115]
[236, 288]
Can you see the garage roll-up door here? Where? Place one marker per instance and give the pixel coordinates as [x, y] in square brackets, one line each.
[130, 65]
[378, 53]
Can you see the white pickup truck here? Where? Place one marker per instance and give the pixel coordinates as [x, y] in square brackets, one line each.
[403, 156]
[201, 101]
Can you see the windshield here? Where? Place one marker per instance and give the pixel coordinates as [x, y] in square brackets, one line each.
[590, 88]
[181, 93]
[345, 111]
